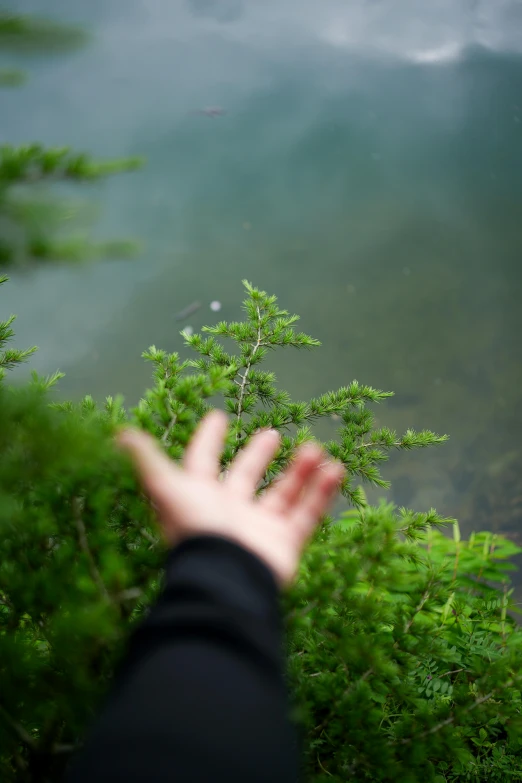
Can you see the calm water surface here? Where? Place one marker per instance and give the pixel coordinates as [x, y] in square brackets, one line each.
[368, 171]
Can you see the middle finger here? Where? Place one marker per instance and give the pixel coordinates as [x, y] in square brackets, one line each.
[251, 463]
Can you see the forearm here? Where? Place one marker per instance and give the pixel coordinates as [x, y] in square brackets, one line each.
[201, 696]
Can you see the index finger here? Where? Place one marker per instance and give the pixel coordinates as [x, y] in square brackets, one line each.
[202, 453]
[155, 469]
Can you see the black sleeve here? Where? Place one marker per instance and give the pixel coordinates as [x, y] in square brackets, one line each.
[201, 696]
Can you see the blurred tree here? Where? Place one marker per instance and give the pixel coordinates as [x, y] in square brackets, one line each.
[34, 221]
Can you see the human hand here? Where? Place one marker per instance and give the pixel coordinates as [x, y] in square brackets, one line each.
[194, 501]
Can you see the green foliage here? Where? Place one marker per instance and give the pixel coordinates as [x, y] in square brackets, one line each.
[34, 226]
[30, 221]
[77, 565]
[254, 401]
[402, 653]
[403, 658]
[33, 163]
[31, 35]
[10, 357]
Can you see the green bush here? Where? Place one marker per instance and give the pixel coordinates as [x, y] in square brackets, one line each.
[403, 658]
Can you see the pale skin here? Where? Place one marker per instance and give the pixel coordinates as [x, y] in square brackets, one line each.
[192, 499]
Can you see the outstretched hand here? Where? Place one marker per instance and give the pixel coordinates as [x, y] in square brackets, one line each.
[192, 500]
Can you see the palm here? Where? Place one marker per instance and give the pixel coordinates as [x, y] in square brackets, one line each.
[194, 501]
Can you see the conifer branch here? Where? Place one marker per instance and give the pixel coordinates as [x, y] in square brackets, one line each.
[244, 377]
[418, 608]
[169, 428]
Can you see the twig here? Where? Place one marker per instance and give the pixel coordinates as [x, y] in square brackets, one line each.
[129, 594]
[84, 545]
[451, 719]
[457, 556]
[395, 445]
[244, 377]
[169, 428]
[324, 770]
[418, 609]
[148, 536]
[455, 671]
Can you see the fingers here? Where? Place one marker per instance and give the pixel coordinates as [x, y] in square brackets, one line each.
[317, 497]
[251, 463]
[202, 454]
[285, 492]
[155, 469]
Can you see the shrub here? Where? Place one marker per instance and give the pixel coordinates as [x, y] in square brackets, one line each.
[402, 655]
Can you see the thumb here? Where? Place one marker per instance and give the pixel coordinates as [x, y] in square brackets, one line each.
[155, 469]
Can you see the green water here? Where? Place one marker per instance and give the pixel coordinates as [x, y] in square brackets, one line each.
[368, 171]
